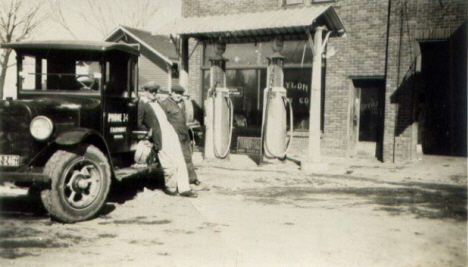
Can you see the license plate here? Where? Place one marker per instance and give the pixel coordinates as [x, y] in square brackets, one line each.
[9, 160]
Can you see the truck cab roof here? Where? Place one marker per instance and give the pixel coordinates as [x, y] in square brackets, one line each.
[35, 47]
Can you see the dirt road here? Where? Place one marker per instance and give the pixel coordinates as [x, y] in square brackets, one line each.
[249, 218]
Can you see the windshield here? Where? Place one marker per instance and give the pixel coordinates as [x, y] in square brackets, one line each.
[58, 73]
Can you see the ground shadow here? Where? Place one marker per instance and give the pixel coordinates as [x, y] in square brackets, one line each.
[30, 206]
[128, 188]
[21, 206]
[433, 201]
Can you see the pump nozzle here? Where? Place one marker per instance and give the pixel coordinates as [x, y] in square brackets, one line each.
[212, 89]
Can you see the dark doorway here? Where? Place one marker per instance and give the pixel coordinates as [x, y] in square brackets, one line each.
[435, 137]
[443, 96]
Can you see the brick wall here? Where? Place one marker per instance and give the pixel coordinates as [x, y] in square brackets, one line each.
[409, 21]
[195, 52]
[361, 53]
[200, 8]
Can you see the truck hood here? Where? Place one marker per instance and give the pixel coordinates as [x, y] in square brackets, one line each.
[65, 114]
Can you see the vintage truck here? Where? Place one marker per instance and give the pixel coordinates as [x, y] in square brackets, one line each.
[72, 131]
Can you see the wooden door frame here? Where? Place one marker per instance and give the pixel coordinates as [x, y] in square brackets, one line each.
[355, 88]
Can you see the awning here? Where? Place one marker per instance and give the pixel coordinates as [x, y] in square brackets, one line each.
[246, 27]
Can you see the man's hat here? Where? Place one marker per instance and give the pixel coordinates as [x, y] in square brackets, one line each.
[151, 87]
[177, 89]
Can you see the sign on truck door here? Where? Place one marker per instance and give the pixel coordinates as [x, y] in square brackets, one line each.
[120, 104]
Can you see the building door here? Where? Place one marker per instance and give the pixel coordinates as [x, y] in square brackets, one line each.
[367, 117]
[442, 118]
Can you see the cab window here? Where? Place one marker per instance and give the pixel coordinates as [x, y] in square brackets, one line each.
[118, 76]
[54, 73]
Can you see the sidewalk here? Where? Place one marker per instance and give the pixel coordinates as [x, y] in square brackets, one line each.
[431, 169]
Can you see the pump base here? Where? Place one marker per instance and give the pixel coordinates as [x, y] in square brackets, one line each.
[314, 167]
[215, 160]
[265, 160]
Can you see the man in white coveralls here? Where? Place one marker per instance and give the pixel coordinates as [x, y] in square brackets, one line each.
[165, 141]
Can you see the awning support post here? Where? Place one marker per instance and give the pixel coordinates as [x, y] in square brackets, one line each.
[169, 75]
[313, 162]
[183, 72]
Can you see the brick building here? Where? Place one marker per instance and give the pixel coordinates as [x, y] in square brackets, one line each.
[394, 85]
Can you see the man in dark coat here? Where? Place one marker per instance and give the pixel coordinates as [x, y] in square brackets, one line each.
[165, 140]
[175, 111]
[147, 119]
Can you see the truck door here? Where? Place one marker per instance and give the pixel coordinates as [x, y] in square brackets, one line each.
[120, 103]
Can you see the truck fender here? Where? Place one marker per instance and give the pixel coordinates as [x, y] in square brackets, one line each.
[83, 135]
[70, 139]
[76, 136]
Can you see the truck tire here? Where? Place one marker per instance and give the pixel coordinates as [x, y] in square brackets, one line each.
[79, 184]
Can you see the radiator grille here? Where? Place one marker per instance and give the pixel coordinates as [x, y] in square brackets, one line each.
[15, 138]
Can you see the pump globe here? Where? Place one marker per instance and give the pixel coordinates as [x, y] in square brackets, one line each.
[220, 48]
[277, 44]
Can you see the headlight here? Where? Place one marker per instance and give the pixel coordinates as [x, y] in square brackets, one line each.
[41, 128]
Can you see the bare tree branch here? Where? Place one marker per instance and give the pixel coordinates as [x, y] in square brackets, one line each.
[104, 16]
[59, 17]
[18, 20]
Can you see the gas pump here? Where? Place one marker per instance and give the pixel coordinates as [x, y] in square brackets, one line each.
[223, 114]
[275, 108]
[219, 110]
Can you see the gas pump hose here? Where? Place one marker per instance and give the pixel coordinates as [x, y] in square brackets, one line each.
[265, 142]
[231, 112]
[192, 143]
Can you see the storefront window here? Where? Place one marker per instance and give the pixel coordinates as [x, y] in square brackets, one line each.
[246, 105]
[297, 53]
[297, 84]
[251, 54]
[241, 54]
[248, 100]
[246, 73]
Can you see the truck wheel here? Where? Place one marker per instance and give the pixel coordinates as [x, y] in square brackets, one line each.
[79, 184]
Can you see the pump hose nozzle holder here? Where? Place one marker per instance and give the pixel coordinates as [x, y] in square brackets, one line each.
[282, 156]
[212, 90]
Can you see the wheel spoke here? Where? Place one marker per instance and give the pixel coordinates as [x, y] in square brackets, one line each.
[72, 178]
[90, 174]
[84, 198]
[71, 197]
[85, 171]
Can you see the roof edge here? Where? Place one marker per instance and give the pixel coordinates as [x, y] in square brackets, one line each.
[126, 31]
[72, 45]
[327, 14]
[332, 16]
